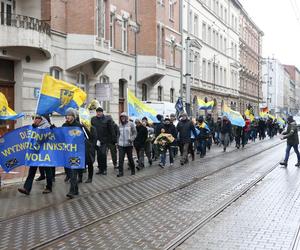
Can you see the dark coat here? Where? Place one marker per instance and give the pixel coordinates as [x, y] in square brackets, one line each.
[184, 129]
[171, 129]
[291, 134]
[157, 128]
[90, 145]
[142, 136]
[105, 129]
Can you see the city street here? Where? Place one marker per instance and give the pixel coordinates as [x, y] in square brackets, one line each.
[234, 200]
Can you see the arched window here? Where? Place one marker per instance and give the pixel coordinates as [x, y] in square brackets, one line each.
[144, 92]
[159, 93]
[56, 72]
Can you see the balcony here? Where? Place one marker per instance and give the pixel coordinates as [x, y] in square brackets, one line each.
[24, 31]
[151, 69]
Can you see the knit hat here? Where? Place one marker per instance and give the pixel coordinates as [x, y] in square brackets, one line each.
[99, 109]
[124, 114]
[71, 112]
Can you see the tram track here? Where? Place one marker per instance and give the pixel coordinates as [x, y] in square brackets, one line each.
[178, 240]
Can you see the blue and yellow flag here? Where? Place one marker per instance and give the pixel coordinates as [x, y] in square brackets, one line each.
[6, 113]
[249, 115]
[85, 118]
[234, 117]
[58, 96]
[138, 110]
[205, 105]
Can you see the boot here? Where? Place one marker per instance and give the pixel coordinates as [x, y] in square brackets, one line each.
[283, 164]
[89, 180]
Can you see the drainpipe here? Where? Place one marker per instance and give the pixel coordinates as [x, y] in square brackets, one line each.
[135, 51]
[182, 45]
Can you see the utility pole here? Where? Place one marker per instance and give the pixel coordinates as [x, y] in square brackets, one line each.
[188, 77]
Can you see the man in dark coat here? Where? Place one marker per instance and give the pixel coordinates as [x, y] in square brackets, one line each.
[140, 142]
[90, 147]
[105, 135]
[291, 134]
[170, 129]
[184, 128]
[226, 131]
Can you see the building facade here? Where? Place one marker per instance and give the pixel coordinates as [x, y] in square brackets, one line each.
[213, 64]
[250, 47]
[103, 46]
[295, 87]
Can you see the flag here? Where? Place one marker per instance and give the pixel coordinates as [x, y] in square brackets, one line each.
[234, 116]
[179, 105]
[138, 110]
[6, 113]
[57, 95]
[94, 104]
[205, 105]
[280, 121]
[85, 118]
[265, 110]
[263, 114]
[249, 115]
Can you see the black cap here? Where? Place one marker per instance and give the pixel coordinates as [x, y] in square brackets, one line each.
[290, 119]
[99, 109]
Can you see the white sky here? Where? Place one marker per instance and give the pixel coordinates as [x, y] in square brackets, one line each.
[278, 21]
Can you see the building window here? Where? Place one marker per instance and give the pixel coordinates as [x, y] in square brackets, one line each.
[209, 71]
[112, 30]
[204, 70]
[172, 95]
[197, 65]
[159, 93]
[171, 9]
[101, 19]
[204, 32]
[221, 43]
[56, 73]
[209, 35]
[217, 74]
[81, 81]
[221, 76]
[225, 45]
[225, 78]
[225, 15]
[144, 92]
[124, 35]
[196, 25]
[172, 55]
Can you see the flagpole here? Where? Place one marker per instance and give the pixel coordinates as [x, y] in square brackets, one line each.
[38, 101]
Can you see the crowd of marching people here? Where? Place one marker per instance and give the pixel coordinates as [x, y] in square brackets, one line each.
[152, 143]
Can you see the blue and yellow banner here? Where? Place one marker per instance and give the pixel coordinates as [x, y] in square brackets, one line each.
[57, 95]
[57, 147]
[6, 113]
[234, 116]
[205, 105]
[138, 110]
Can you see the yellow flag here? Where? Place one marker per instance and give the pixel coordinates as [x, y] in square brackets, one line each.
[6, 113]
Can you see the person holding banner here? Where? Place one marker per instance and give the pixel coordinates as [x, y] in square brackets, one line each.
[38, 122]
[73, 174]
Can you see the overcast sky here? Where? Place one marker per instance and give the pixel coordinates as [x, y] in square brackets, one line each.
[277, 19]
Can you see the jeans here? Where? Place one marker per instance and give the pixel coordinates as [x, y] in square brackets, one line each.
[140, 154]
[148, 150]
[73, 173]
[225, 140]
[287, 152]
[201, 147]
[31, 175]
[163, 156]
[102, 158]
[128, 152]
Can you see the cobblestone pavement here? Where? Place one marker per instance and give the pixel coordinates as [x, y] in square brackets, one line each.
[153, 224]
[32, 229]
[266, 217]
[13, 204]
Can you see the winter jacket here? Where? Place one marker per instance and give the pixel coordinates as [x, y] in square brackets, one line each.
[291, 134]
[184, 129]
[157, 129]
[43, 124]
[226, 127]
[127, 134]
[105, 129]
[90, 145]
[203, 131]
[141, 138]
[171, 129]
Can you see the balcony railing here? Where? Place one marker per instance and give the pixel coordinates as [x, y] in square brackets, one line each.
[24, 22]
